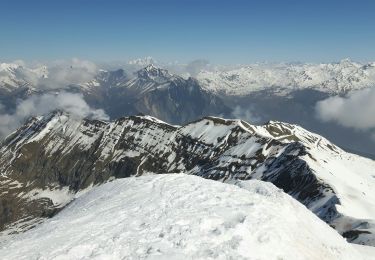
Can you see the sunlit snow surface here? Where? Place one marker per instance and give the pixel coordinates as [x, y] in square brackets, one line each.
[180, 217]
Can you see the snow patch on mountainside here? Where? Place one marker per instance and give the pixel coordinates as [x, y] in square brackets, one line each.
[180, 217]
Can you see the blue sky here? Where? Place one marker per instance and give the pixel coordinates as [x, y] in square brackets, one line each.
[220, 31]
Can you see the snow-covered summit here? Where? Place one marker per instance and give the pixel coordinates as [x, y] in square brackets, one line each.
[181, 217]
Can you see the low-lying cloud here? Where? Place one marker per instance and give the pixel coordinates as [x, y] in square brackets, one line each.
[356, 110]
[196, 66]
[57, 74]
[65, 73]
[42, 104]
[246, 114]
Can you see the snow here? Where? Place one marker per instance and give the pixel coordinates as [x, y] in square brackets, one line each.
[351, 178]
[58, 196]
[13, 76]
[206, 130]
[283, 78]
[367, 252]
[180, 217]
[347, 176]
[50, 125]
[247, 148]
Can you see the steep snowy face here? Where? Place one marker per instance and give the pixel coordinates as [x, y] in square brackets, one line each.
[334, 78]
[181, 217]
[62, 155]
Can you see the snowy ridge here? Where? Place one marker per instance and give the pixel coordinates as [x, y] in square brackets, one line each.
[186, 217]
[334, 78]
[335, 185]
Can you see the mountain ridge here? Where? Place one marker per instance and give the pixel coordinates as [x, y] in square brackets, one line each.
[333, 78]
[67, 154]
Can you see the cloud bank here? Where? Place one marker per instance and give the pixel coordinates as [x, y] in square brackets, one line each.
[39, 105]
[64, 73]
[356, 110]
[57, 74]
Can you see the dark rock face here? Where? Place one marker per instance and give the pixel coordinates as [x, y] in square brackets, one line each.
[59, 155]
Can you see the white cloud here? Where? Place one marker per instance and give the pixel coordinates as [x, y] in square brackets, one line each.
[356, 110]
[56, 74]
[194, 67]
[64, 73]
[38, 105]
[245, 114]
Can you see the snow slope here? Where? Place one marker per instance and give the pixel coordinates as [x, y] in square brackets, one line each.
[181, 217]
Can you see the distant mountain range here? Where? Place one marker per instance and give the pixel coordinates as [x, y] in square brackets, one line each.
[150, 90]
[53, 158]
[256, 93]
[332, 78]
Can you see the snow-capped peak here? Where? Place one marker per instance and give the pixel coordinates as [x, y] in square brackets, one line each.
[151, 72]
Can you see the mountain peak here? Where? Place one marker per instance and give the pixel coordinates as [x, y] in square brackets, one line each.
[154, 73]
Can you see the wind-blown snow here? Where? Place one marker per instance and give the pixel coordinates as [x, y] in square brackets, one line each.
[180, 217]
